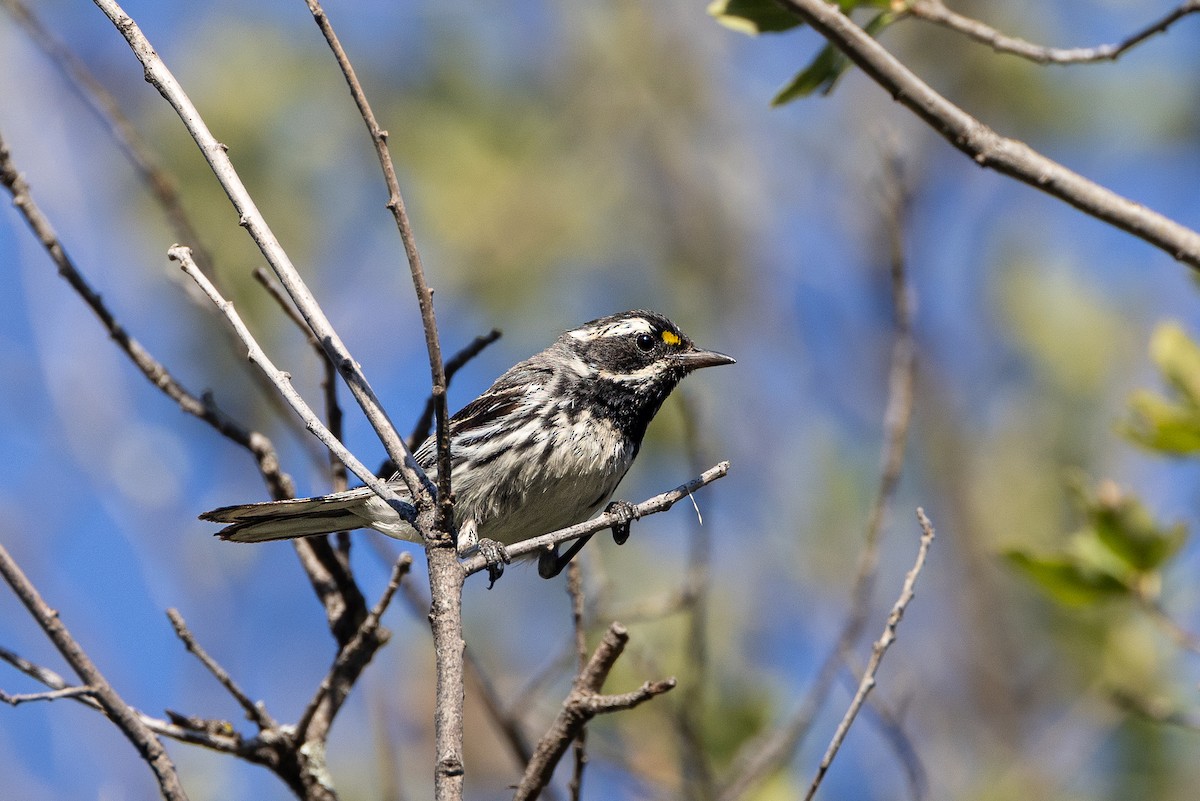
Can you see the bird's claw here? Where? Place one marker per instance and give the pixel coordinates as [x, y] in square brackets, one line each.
[496, 556]
[626, 513]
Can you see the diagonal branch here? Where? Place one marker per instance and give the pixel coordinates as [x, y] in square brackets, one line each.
[582, 704]
[252, 219]
[125, 717]
[316, 719]
[988, 148]
[763, 755]
[935, 11]
[129, 140]
[255, 712]
[279, 483]
[420, 431]
[332, 582]
[282, 380]
[880, 648]
[424, 294]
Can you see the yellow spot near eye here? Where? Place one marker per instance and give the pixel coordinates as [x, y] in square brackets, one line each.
[670, 337]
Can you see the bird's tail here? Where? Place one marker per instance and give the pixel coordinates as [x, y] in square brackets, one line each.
[298, 517]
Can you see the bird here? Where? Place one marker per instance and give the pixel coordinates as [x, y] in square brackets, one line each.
[543, 448]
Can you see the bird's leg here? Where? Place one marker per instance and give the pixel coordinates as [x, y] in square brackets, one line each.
[495, 554]
[550, 563]
[626, 513]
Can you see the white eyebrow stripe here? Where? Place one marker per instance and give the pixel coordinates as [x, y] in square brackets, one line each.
[632, 325]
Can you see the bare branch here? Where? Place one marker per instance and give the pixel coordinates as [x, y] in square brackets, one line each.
[988, 148]
[350, 662]
[49, 695]
[420, 431]
[763, 755]
[582, 704]
[260, 750]
[579, 747]
[507, 724]
[691, 707]
[446, 576]
[935, 11]
[424, 294]
[333, 410]
[255, 711]
[218, 159]
[659, 503]
[96, 97]
[125, 717]
[282, 382]
[880, 648]
[204, 409]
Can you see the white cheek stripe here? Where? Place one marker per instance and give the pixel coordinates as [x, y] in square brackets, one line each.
[634, 325]
[649, 371]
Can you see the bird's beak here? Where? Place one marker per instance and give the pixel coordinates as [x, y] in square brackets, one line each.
[695, 359]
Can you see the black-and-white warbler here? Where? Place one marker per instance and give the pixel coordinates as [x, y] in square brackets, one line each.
[543, 448]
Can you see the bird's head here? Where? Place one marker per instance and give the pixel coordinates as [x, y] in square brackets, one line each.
[632, 361]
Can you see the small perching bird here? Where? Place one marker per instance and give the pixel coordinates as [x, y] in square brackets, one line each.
[543, 448]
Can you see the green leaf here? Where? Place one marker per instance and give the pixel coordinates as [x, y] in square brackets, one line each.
[1179, 359]
[1126, 528]
[820, 75]
[1163, 425]
[753, 17]
[1065, 580]
[823, 72]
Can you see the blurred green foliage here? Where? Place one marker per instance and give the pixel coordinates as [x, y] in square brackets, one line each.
[827, 66]
[1170, 423]
[1118, 552]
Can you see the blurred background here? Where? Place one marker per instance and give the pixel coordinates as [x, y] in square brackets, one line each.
[562, 161]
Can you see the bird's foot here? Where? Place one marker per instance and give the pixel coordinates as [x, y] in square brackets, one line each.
[493, 553]
[496, 556]
[626, 513]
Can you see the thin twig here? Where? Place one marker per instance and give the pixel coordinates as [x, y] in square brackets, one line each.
[988, 148]
[351, 616]
[215, 153]
[283, 383]
[764, 755]
[279, 483]
[335, 587]
[582, 704]
[50, 695]
[395, 203]
[101, 102]
[659, 503]
[255, 750]
[125, 717]
[255, 712]
[579, 747]
[420, 431]
[692, 704]
[446, 575]
[333, 410]
[877, 652]
[935, 11]
[351, 660]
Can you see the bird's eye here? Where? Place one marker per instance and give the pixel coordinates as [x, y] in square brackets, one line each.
[645, 343]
